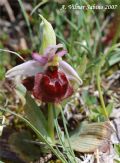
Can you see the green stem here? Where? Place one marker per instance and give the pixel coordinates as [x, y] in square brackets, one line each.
[58, 133]
[101, 96]
[51, 121]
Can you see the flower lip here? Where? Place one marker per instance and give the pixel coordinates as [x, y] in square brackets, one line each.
[29, 83]
[52, 86]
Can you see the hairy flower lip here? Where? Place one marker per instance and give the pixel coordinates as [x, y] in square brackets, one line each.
[29, 83]
[61, 88]
[52, 86]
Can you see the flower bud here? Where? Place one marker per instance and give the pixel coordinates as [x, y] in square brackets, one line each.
[48, 35]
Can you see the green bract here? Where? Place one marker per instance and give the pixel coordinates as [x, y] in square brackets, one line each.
[48, 35]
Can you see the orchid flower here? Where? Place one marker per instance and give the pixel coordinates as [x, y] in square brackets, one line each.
[48, 77]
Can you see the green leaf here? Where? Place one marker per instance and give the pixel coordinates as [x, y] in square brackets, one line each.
[2, 72]
[82, 65]
[88, 137]
[35, 115]
[21, 91]
[97, 114]
[115, 58]
[117, 149]
[89, 99]
[109, 108]
[32, 110]
[40, 136]
[2, 162]
[20, 142]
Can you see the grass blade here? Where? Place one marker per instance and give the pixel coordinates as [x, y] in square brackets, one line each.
[26, 18]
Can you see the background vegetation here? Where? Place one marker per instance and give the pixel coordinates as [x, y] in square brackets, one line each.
[92, 40]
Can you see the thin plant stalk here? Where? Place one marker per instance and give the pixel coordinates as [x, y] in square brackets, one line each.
[59, 135]
[51, 121]
[9, 51]
[38, 6]
[57, 127]
[101, 96]
[85, 47]
[68, 139]
[26, 18]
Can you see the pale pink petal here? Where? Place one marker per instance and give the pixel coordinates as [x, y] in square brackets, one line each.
[62, 53]
[41, 59]
[51, 51]
[29, 68]
[70, 72]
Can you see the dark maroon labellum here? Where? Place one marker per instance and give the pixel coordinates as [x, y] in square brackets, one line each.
[29, 83]
[52, 86]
